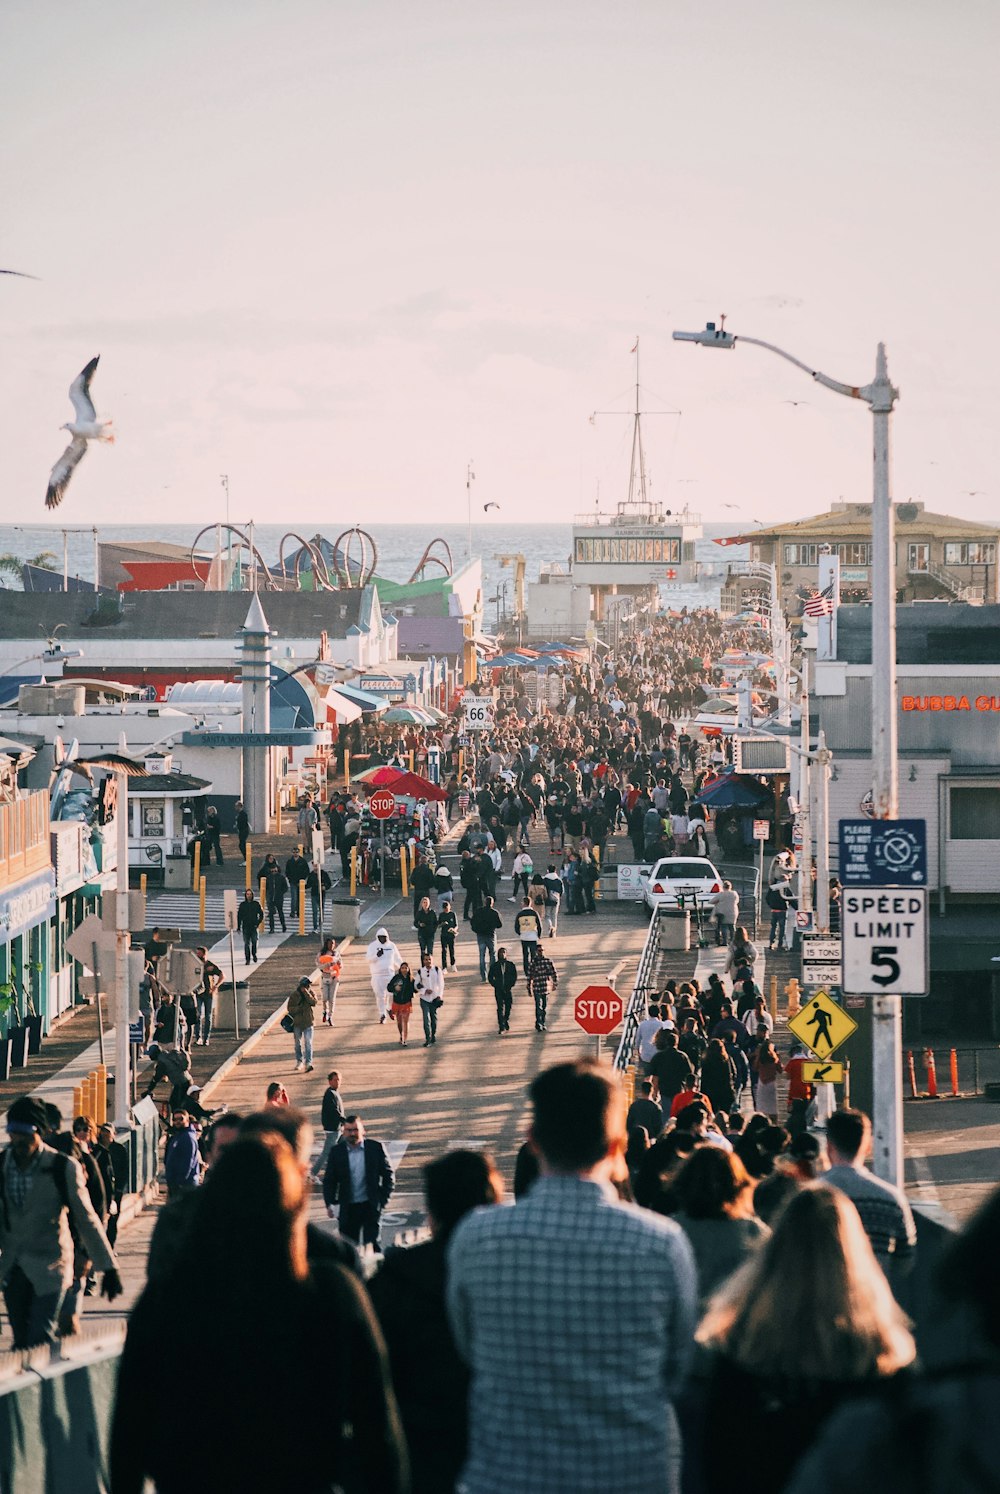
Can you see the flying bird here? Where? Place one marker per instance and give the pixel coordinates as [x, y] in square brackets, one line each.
[21, 274]
[795, 402]
[86, 427]
[488, 506]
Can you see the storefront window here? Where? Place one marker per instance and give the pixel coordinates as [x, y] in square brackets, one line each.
[975, 813]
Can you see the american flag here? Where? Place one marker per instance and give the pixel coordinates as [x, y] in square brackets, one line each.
[820, 603]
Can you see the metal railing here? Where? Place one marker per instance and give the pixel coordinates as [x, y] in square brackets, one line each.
[636, 1008]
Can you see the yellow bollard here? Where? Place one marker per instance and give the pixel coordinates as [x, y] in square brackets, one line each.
[262, 893]
[142, 884]
[402, 869]
[347, 767]
[203, 882]
[596, 853]
[354, 869]
[101, 1108]
[87, 1095]
[277, 813]
[411, 762]
[774, 998]
[302, 908]
[629, 1084]
[196, 871]
[249, 881]
[77, 1100]
[792, 992]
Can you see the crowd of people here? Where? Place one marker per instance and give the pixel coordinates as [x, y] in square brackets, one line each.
[696, 1318]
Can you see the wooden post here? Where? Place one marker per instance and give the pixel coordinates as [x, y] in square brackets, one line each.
[302, 907]
[347, 767]
[77, 1100]
[102, 1095]
[262, 893]
[277, 811]
[249, 865]
[596, 854]
[202, 883]
[196, 872]
[142, 884]
[411, 762]
[774, 998]
[403, 869]
[354, 869]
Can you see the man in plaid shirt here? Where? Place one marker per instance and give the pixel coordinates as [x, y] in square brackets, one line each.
[542, 978]
[574, 1311]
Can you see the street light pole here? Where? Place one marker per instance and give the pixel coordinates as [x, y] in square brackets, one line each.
[887, 1021]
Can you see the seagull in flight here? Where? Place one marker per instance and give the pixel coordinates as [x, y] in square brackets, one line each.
[488, 506]
[22, 274]
[85, 427]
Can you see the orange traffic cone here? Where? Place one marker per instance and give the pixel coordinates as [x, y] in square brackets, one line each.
[932, 1092]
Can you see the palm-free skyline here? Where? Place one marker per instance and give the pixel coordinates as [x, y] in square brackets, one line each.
[337, 250]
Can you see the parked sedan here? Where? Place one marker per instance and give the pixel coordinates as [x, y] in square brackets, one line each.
[682, 882]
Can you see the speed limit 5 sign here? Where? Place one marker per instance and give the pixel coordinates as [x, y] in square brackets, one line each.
[884, 941]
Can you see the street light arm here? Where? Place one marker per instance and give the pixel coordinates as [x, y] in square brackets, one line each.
[852, 391]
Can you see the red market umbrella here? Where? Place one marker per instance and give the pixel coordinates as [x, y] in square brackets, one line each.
[381, 777]
[412, 786]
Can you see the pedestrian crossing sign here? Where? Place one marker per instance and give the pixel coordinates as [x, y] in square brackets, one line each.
[822, 1025]
[823, 1073]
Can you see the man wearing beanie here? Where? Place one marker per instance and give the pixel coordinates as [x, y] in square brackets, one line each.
[39, 1189]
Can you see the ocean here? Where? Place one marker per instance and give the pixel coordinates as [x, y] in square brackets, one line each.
[399, 546]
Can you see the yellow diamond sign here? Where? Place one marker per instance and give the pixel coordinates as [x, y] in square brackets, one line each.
[822, 1025]
[823, 1073]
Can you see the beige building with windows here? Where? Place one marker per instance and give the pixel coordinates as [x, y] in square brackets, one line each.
[936, 555]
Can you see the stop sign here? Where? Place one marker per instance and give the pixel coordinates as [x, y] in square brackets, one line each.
[598, 1010]
[382, 804]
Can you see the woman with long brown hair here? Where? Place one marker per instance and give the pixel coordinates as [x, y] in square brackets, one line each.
[242, 1305]
[808, 1323]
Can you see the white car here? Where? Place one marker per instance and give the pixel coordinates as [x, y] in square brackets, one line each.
[682, 882]
[721, 712]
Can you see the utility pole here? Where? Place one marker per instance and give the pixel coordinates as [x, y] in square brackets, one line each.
[887, 1011]
[123, 942]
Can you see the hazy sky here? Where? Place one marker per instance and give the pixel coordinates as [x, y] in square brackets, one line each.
[338, 249]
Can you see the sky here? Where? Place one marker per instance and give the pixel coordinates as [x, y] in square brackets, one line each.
[338, 250]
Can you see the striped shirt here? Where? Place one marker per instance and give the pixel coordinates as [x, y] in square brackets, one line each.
[885, 1212]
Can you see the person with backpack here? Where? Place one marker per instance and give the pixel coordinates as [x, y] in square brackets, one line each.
[41, 1190]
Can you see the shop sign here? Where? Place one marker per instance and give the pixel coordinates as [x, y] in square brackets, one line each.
[25, 906]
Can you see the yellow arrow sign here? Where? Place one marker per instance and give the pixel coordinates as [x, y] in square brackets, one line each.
[822, 1025]
[823, 1073]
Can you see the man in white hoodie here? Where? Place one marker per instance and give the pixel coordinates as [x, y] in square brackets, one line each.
[383, 962]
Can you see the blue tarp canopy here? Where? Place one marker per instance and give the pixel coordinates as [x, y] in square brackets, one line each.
[733, 791]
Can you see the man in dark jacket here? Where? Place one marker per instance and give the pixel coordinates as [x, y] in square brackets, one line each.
[485, 922]
[503, 979]
[421, 883]
[181, 1158]
[408, 1294]
[668, 1068]
[242, 827]
[117, 1156]
[359, 1177]
[249, 917]
[296, 871]
[468, 876]
[275, 888]
[317, 885]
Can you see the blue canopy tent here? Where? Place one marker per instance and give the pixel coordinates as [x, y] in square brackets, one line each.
[733, 791]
